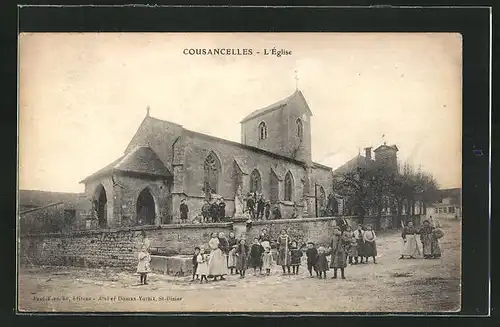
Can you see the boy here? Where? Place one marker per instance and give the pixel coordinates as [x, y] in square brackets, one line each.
[195, 262]
[312, 255]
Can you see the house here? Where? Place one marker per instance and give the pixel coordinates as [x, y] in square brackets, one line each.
[448, 206]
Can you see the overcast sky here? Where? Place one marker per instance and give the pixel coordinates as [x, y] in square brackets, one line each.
[83, 96]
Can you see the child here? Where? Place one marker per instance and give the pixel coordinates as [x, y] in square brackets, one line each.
[312, 256]
[296, 254]
[232, 259]
[351, 245]
[284, 251]
[195, 262]
[370, 245]
[255, 256]
[202, 267]
[321, 263]
[338, 252]
[242, 254]
[143, 267]
[267, 260]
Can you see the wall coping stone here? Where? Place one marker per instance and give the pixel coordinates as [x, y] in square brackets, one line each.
[128, 229]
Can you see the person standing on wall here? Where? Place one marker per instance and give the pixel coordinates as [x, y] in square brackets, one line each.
[205, 211]
[267, 209]
[221, 210]
[251, 206]
[183, 208]
[214, 211]
[260, 207]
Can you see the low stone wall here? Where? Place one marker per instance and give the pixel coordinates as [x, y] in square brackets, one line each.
[302, 230]
[113, 247]
[119, 247]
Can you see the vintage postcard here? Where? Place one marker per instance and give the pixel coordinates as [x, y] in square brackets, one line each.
[247, 172]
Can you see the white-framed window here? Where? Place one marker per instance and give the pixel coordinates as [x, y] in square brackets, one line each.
[451, 209]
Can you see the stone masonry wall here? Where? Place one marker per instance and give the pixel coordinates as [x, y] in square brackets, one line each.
[112, 248]
[119, 247]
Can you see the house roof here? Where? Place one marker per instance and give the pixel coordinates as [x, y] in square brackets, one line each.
[318, 165]
[454, 193]
[386, 147]
[357, 161]
[243, 146]
[277, 105]
[141, 160]
[37, 198]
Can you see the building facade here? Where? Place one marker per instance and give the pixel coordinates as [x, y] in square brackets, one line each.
[165, 163]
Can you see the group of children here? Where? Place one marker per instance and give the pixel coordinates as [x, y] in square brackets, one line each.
[232, 256]
[241, 257]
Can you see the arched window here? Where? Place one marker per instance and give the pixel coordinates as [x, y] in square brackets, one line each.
[300, 128]
[212, 170]
[262, 131]
[288, 187]
[255, 182]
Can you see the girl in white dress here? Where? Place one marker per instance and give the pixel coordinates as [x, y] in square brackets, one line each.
[202, 269]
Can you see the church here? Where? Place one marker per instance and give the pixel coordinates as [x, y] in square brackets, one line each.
[165, 163]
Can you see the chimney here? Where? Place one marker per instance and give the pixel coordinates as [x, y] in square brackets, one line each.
[368, 153]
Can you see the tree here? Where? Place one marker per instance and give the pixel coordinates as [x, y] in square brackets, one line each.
[378, 186]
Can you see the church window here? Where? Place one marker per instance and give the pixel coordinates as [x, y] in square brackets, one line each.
[288, 187]
[212, 170]
[255, 182]
[300, 128]
[262, 131]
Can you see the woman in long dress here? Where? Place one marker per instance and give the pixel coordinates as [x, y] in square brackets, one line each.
[217, 265]
[410, 245]
[338, 253]
[284, 255]
[429, 237]
[358, 235]
[242, 254]
[370, 246]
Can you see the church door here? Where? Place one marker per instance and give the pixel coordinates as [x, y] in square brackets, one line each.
[102, 207]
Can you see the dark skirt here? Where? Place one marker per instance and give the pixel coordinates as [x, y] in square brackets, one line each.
[254, 261]
[322, 263]
[241, 263]
[360, 248]
[283, 257]
[339, 259]
[370, 249]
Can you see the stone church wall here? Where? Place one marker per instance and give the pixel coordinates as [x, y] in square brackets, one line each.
[275, 131]
[198, 147]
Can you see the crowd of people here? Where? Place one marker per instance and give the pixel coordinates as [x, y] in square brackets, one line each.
[230, 255]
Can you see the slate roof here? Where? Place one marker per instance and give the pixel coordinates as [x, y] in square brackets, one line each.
[454, 193]
[279, 104]
[357, 161]
[37, 198]
[318, 165]
[141, 159]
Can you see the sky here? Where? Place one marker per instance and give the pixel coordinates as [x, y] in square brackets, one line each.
[82, 96]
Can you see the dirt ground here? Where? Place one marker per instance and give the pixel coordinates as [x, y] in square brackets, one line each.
[391, 285]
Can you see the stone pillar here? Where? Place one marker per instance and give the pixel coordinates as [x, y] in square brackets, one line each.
[245, 183]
